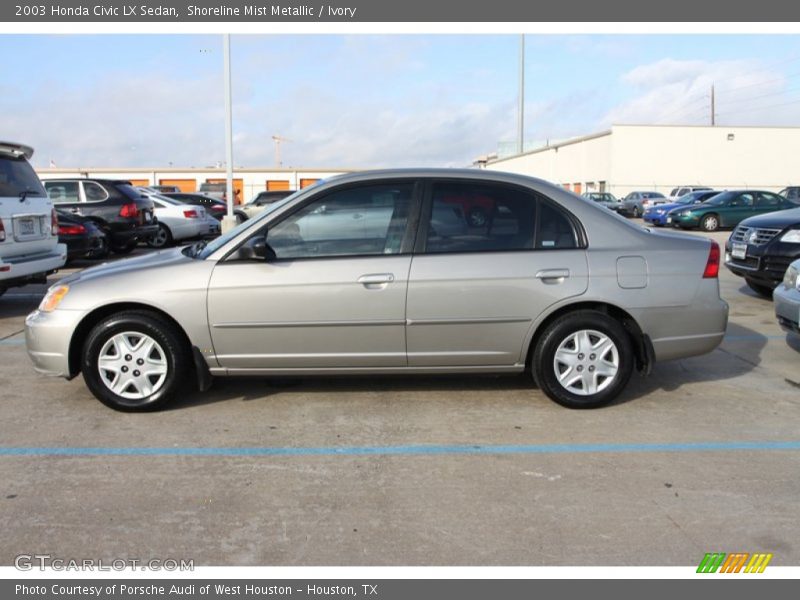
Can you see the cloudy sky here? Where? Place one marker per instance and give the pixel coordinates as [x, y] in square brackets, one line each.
[356, 101]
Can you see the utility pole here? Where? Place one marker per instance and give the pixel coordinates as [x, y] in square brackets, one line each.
[521, 108]
[713, 107]
[278, 139]
[229, 221]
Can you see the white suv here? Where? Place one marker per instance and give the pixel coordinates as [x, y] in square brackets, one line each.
[29, 248]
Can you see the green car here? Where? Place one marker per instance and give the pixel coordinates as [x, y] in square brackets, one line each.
[727, 209]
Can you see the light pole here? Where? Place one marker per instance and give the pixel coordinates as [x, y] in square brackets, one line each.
[521, 108]
[228, 221]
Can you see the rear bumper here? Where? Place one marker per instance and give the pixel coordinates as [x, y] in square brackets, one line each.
[684, 331]
[787, 308]
[17, 270]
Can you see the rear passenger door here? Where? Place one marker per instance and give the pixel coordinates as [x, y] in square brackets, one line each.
[475, 289]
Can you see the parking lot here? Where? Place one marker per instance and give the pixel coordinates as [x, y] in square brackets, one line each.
[413, 471]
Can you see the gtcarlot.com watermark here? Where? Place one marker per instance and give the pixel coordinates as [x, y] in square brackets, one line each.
[30, 562]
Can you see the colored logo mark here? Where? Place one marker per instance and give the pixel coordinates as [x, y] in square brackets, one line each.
[738, 562]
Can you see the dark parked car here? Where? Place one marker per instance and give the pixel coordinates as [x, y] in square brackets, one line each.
[791, 193]
[657, 215]
[121, 212]
[84, 239]
[214, 207]
[761, 248]
[728, 209]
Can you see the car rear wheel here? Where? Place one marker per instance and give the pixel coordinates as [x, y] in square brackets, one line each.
[636, 212]
[240, 217]
[162, 238]
[583, 359]
[710, 223]
[124, 248]
[765, 291]
[134, 361]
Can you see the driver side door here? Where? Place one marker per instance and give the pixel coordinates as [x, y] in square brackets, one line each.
[334, 293]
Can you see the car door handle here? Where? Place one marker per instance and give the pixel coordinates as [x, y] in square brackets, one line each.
[552, 275]
[75, 210]
[375, 280]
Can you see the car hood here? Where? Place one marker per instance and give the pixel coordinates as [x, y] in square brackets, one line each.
[127, 265]
[775, 220]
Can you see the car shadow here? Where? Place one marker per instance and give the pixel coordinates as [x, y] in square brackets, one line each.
[258, 388]
[738, 354]
[793, 341]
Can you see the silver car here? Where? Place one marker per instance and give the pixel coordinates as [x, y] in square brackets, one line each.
[786, 298]
[383, 272]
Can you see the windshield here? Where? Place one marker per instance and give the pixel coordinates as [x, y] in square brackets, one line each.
[18, 177]
[206, 250]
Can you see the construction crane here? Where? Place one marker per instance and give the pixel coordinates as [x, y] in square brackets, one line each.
[278, 140]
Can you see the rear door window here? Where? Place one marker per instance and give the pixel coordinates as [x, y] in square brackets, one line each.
[63, 192]
[18, 177]
[465, 217]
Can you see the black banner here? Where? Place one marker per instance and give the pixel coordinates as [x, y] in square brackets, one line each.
[393, 589]
[462, 11]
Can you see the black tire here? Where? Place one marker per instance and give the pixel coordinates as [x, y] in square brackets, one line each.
[240, 217]
[710, 223]
[636, 212]
[558, 334]
[170, 351]
[162, 239]
[123, 249]
[765, 291]
[3, 290]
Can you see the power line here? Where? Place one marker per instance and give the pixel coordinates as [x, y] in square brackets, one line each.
[757, 108]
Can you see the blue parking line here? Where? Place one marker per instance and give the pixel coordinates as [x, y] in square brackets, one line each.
[12, 342]
[421, 450]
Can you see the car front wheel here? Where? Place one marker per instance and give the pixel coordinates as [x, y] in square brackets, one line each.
[134, 361]
[583, 359]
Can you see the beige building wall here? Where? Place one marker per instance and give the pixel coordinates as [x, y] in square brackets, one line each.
[660, 158]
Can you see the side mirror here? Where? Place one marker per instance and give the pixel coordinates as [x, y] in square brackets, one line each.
[257, 249]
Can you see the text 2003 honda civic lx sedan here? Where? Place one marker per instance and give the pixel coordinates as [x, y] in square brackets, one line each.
[384, 272]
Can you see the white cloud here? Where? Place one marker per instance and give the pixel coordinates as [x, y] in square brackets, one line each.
[679, 92]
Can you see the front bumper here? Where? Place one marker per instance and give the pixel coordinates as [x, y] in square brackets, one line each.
[686, 221]
[48, 337]
[764, 264]
[655, 219]
[787, 308]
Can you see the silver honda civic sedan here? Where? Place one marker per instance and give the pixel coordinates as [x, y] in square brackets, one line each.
[392, 272]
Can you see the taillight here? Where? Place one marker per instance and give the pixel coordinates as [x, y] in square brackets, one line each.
[53, 222]
[129, 211]
[190, 214]
[712, 264]
[2, 231]
[72, 229]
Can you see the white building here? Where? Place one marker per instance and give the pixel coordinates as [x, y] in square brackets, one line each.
[652, 157]
[248, 182]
